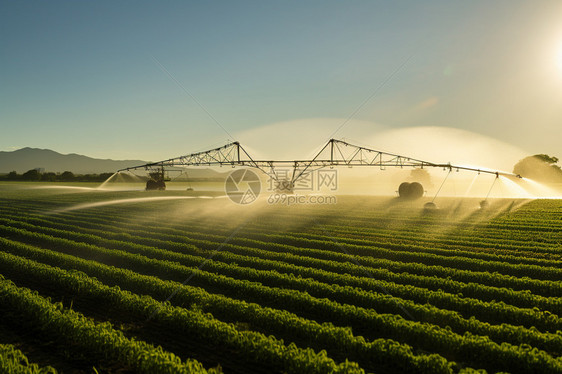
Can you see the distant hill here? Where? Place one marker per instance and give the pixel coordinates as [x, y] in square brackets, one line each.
[26, 159]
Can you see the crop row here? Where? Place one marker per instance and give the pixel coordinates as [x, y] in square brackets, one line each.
[498, 251]
[13, 361]
[366, 230]
[177, 321]
[407, 254]
[443, 247]
[338, 262]
[283, 253]
[506, 249]
[27, 309]
[500, 245]
[272, 321]
[231, 262]
[408, 309]
[429, 337]
[412, 221]
[364, 226]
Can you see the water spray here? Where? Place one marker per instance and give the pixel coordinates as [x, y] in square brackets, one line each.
[101, 186]
[541, 190]
[470, 185]
[431, 205]
[125, 201]
[484, 203]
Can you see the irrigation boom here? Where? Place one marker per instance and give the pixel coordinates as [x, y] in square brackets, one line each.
[334, 153]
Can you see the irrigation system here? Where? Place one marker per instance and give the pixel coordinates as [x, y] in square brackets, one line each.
[335, 153]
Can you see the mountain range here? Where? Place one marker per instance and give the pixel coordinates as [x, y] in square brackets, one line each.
[25, 159]
[46, 160]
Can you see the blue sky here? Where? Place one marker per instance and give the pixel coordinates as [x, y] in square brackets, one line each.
[83, 77]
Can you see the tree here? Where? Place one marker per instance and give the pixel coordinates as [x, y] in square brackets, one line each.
[67, 176]
[541, 168]
[105, 176]
[548, 159]
[31, 175]
[49, 177]
[12, 176]
[421, 176]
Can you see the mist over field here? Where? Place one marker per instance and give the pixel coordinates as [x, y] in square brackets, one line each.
[302, 139]
[193, 264]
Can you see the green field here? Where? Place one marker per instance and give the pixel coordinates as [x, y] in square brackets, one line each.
[195, 283]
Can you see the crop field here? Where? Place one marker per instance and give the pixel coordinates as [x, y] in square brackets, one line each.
[176, 281]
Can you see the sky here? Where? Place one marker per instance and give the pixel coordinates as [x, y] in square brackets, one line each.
[154, 80]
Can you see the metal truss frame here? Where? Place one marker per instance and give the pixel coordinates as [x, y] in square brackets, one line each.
[334, 153]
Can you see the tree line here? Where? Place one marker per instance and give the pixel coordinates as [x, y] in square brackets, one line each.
[35, 175]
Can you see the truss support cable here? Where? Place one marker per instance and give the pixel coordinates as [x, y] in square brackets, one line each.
[441, 186]
[490, 190]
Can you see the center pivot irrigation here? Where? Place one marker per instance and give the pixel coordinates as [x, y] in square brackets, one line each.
[334, 153]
